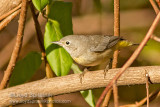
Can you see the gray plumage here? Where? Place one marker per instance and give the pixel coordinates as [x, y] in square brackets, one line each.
[89, 50]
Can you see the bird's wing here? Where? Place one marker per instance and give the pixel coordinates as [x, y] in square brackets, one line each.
[105, 43]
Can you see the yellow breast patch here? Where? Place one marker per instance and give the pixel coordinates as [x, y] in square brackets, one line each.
[79, 60]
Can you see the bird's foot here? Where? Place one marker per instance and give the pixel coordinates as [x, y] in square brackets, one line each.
[81, 76]
[106, 70]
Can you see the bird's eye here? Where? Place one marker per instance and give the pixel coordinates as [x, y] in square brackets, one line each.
[67, 43]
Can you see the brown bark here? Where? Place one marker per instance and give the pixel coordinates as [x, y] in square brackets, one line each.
[7, 5]
[71, 83]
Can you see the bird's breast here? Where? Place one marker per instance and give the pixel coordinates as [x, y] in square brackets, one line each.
[92, 58]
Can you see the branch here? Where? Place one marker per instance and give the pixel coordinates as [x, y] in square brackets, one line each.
[115, 94]
[17, 47]
[106, 99]
[49, 72]
[132, 58]
[71, 83]
[155, 38]
[5, 22]
[115, 55]
[7, 5]
[152, 96]
[116, 52]
[147, 88]
[156, 9]
[116, 29]
[158, 1]
[10, 12]
[38, 28]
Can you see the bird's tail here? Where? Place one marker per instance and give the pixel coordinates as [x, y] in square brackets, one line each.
[125, 43]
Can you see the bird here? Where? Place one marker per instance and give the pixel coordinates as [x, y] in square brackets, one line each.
[92, 50]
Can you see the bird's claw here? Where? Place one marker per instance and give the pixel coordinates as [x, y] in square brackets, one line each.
[106, 70]
[81, 76]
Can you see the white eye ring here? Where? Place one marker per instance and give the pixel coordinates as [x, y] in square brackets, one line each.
[67, 43]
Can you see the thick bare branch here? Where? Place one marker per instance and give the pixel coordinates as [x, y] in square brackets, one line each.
[71, 83]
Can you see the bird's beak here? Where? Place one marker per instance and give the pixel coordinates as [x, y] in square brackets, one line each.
[57, 42]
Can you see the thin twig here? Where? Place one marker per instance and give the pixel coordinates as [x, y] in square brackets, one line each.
[37, 27]
[115, 58]
[116, 29]
[115, 55]
[116, 33]
[156, 9]
[39, 103]
[155, 38]
[17, 46]
[158, 1]
[5, 22]
[152, 96]
[10, 12]
[115, 93]
[50, 100]
[48, 70]
[132, 58]
[106, 99]
[147, 89]
[49, 73]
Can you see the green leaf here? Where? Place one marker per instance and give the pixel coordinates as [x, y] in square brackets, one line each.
[59, 25]
[40, 4]
[25, 69]
[62, 12]
[59, 60]
[88, 95]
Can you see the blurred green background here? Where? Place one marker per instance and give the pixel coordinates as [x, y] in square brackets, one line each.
[96, 17]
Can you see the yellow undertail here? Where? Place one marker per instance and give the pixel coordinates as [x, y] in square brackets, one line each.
[124, 43]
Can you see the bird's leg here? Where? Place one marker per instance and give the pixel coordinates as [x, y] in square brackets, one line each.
[107, 67]
[105, 70]
[82, 74]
